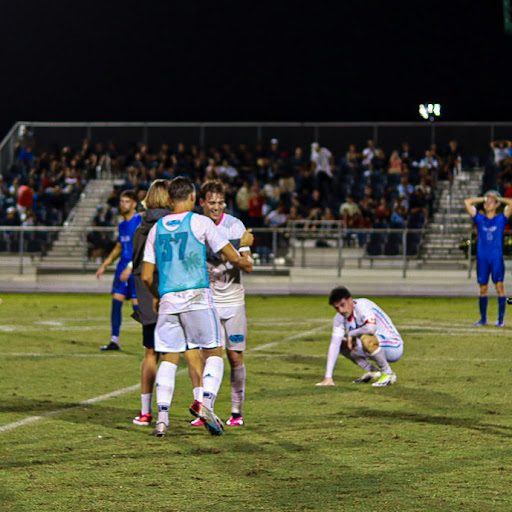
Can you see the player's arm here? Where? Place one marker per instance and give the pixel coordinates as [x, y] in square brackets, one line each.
[332, 357]
[470, 204]
[148, 270]
[507, 201]
[369, 327]
[233, 256]
[115, 253]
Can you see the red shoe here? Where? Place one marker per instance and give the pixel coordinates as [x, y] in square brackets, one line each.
[195, 408]
[143, 420]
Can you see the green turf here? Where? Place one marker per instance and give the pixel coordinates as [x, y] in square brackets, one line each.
[438, 440]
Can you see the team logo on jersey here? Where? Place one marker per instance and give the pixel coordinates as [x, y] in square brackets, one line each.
[172, 225]
[237, 338]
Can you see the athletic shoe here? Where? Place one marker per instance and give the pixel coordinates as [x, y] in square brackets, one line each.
[500, 323]
[212, 422]
[480, 323]
[143, 420]
[367, 377]
[509, 300]
[111, 346]
[386, 380]
[195, 408]
[198, 422]
[235, 422]
[160, 430]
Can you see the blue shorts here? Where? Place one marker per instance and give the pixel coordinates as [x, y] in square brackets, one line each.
[126, 288]
[490, 266]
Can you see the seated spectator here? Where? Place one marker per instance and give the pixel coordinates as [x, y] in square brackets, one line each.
[256, 204]
[500, 150]
[429, 160]
[349, 211]
[395, 163]
[278, 217]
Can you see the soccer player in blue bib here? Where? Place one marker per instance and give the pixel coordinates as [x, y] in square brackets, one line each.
[489, 253]
[124, 251]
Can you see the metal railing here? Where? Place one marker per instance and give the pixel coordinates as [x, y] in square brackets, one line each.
[335, 136]
[314, 244]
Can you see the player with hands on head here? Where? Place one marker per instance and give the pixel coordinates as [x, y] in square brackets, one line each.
[489, 253]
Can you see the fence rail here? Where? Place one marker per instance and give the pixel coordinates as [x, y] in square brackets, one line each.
[314, 244]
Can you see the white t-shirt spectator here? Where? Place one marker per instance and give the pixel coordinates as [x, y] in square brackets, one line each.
[322, 159]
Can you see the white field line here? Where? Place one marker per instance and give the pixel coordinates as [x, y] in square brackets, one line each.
[16, 424]
[422, 359]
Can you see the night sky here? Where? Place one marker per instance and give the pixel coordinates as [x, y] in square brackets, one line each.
[253, 61]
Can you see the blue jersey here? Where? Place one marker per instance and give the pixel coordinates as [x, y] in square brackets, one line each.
[490, 235]
[180, 256]
[126, 230]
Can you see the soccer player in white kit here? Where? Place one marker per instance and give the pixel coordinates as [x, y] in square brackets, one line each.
[187, 318]
[228, 292]
[363, 333]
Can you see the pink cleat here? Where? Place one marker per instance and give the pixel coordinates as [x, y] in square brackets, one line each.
[235, 422]
[143, 420]
[198, 422]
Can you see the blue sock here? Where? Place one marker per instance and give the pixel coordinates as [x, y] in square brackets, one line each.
[482, 302]
[116, 317]
[135, 307]
[502, 301]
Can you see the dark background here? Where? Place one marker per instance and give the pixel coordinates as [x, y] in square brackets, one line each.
[253, 61]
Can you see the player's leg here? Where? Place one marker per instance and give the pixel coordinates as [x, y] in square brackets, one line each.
[169, 342]
[498, 276]
[483, 270]
[132, 294]
[202, 330]
[372, 347]
[195, 365]
[234, 321]
[147, 375]
[359, 357]
[393, 350]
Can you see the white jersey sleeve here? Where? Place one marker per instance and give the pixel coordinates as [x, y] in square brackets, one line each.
[205, 230]
[338, 332]
[149, 248]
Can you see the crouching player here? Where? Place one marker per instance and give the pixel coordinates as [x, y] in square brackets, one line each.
[365, 334]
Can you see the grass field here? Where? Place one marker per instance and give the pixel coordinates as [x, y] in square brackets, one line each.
[438, 440]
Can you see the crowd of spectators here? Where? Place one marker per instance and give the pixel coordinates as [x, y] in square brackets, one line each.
[267, 185]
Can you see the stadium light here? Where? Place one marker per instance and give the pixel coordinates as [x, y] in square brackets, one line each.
[429, 111]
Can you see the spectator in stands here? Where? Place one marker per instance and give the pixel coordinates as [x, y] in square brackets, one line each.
[352, 157]
[277, 218]
[500, 150]
[242, 202]
[369, 153]
[395, 163]
[285, 174]
[349, 211]
[405, 154]
[429, 160]
[405, 188]
[25, 199]
[322, 163]
[256, 204]
[274, 151]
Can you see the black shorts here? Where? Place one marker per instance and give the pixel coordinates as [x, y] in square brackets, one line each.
[148, 335]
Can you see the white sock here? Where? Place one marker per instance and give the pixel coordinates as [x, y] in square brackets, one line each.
[237, 389]
[146, 400]
[115, 339]
[165, 379]
[212, 378]
[364, 364]
[198, 394]
[380, 358]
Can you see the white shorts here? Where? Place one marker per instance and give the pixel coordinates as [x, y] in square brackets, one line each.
[392, 348]
[199, 328]
[233, 327]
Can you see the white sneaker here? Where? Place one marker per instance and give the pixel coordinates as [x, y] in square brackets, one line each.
[212, 422]
[367, 377]
[386, 380]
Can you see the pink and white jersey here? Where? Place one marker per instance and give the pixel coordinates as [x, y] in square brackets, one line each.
[367, 312]
[204, 230]
[225, 279]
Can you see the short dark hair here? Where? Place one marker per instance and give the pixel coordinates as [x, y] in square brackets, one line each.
[338, 294]
[212, 186]
[130, 194]
[180, 188]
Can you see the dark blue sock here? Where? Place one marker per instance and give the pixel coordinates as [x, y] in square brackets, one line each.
[482, 302]
[502, 302]
[135, 307]
[116, 317]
